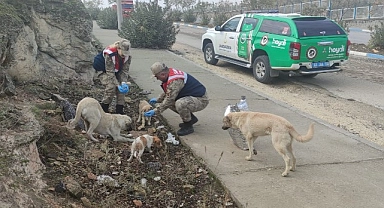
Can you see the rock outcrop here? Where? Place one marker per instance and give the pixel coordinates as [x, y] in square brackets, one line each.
[42, 39]
[20, 166]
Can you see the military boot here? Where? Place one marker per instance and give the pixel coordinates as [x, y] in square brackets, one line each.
[105, 107]
[119, 109]
[186, 129]
[192, 121]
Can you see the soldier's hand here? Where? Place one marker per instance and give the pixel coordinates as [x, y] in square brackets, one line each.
[153, 101]
[149, 113]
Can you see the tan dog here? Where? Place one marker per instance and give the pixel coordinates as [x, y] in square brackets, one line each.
[144, 106]
[138, 146]
[96, 120]
[254, 124]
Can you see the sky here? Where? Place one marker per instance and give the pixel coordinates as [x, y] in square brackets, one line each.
[105, 3]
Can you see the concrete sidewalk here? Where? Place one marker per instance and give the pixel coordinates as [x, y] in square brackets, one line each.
[335, 169]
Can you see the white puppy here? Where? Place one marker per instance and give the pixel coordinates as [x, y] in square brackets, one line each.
[144, 106]
[138, 146]
[96, 120]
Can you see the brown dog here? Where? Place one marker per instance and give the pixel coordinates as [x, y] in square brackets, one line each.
[144, 106]
[254, 124]
[138, 146]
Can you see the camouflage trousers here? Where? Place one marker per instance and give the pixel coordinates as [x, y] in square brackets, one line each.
[187, 105]
[110, 83]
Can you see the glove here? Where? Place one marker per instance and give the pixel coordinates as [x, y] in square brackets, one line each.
[152, 101]
[123, 88]
[149, 113]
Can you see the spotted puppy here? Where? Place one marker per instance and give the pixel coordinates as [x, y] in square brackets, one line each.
[144, 106]
[139, 144]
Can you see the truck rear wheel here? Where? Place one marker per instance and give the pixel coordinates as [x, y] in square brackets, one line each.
[209, 54]
[262, 69]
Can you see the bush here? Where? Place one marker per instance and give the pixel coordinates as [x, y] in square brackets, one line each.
[175, 15]
[189, 16]
[149, 27]
[377, 36]
[343, 24]
[205, 19]
[94, 12]
[220, 18]
[107, 19]
[314, 11]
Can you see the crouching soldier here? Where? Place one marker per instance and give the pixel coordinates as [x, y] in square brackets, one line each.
[182, 94]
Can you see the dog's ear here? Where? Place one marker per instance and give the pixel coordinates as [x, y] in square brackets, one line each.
[157, 141]
[147, 108]
[128, 120]
[128, 123]
[117, 122]
[122, 121]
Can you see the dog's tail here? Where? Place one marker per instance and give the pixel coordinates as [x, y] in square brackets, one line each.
[303, 138]
[72, 122]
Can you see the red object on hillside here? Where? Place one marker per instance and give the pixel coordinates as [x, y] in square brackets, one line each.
[127, 7]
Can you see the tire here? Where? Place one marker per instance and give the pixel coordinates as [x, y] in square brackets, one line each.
[262, 69]
[209, 54]
[309, 75]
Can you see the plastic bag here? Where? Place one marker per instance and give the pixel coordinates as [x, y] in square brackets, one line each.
[236, 135]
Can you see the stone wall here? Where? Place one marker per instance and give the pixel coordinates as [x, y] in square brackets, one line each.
[364, 24]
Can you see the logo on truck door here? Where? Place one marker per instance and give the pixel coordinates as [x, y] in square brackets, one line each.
[243, 38]
[264, 40]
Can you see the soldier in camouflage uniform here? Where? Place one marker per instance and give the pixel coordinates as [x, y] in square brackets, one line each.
[182, 94]
[117, 61]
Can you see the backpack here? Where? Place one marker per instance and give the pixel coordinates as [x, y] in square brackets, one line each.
[99, 62]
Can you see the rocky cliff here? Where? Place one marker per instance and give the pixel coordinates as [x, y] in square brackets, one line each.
[43, 42]
[43, 39]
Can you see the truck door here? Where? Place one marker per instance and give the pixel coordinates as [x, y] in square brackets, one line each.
[226, 40]
[245, 38]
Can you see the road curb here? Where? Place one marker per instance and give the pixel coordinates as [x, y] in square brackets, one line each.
[359, 30]
[190, 25]
[368, 55]
[356, 53]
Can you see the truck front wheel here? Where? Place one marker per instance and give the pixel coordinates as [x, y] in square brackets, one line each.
[209, 54]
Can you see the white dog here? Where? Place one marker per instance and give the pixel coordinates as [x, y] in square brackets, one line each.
[96, 120]
[138, 146]
[144, 106]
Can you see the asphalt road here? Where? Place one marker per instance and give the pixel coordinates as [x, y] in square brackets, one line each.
[359, 37]
[356, 88]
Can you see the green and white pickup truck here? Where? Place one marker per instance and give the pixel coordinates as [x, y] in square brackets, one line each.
[272, 42]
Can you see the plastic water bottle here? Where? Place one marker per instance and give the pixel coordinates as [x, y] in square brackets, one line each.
[143, 182]
[242, 105]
